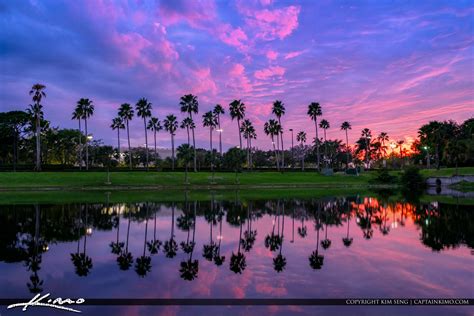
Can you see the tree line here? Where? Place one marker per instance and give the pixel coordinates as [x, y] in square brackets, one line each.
[27, 136]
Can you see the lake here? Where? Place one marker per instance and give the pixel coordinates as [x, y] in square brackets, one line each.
[236, 245]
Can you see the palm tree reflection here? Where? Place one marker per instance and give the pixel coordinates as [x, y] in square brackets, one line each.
[125, 258]
[81, 261]
[218, 259]
[279, 262]
[316, 260]
[190, 268]
[117, 247]
[238, 261]
[155, 244]
[347, 241]
[171, 247]
[143, 263]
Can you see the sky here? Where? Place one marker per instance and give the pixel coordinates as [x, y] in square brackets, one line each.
[386, 65]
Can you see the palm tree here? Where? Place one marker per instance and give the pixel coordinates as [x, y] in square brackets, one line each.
[279, 110]
[126, 113]
[271, 128]
[77, 115]
[143, 108]
[155, 244]
[37, 91]
[324, 124]
[117, 246]
[346, 126]
[400, 143]
[367, 136]
[210, 120]
[301, 138]
[189, 104]
[249, 132]
[190, 268]
[87, 111]
[117, 124]
[171, 247]
[237, 111]
[382, 138]
[314, 110]
[218, 110]
[154, 125]
[188, 124]
[171, 125]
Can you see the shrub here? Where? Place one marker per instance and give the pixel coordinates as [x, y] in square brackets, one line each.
[412, 179]
[383, 176]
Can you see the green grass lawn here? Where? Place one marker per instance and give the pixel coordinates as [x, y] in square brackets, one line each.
[10, 180]
[447, 172]
[175, 180]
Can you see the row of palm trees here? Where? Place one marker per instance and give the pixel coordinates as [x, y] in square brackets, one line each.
[189, 105]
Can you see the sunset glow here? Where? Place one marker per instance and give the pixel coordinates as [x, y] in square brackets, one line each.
[382, 66]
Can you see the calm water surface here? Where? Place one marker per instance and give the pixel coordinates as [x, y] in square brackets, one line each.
[354, 246]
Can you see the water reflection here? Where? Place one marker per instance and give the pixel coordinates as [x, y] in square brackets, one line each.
[28, 231]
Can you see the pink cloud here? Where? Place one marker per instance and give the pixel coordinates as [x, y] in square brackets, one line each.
[294, 54]
[193, 12]
[232, 36]
[272, 55]
[270, 24]
[201, 81]
[272, 71]
[238, 80]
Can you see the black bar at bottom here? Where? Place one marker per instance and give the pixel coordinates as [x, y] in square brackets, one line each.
[262, 301]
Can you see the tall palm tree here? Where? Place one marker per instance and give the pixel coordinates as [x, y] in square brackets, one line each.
[237, 111]
[126, 113]
[301, 138]
[345, 126]
[367, 136]
[188, 124]
[77, 115]
[210, 120]
[279, 110]
[270, 128]
[37, 91]
[218, 110]
[314, 110]
[154, 125]
[189, 104]
[171, 125]
[400, 143]
[143, 108]
[324, 124]
[143, 263]
[117, 124]
[249, 132]
[87, 112]
[382, 138]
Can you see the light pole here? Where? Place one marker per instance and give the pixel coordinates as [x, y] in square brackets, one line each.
[393, 146]
[427, 156]
[292, 150]
[367, 150]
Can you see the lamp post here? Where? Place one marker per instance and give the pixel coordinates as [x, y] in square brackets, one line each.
[427, 156]
[292, 150]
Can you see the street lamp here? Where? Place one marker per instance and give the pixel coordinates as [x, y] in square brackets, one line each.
[89, 137]
[427, 156]
[292, 150]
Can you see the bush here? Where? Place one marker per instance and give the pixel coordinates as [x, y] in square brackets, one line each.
[383, 176]
[412, 179]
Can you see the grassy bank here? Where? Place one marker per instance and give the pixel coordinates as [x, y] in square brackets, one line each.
[152, 179]
[199, 180]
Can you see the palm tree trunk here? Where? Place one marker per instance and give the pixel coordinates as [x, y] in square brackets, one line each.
[194, 145]
[325, 149]
[38, 143]
[129, 147]
[317, 144]
[172, 152]
[347, 151]
[248, 154]
[146, 143]
[240, 135]
[220, 133]
[118, 143]
[282, 149]
[278, 152]
[87, 145]
[80, 144]
[274, 152]
[15, 148]
[210, 146]
[156, 154]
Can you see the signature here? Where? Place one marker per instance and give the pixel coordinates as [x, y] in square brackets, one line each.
[44, 301]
